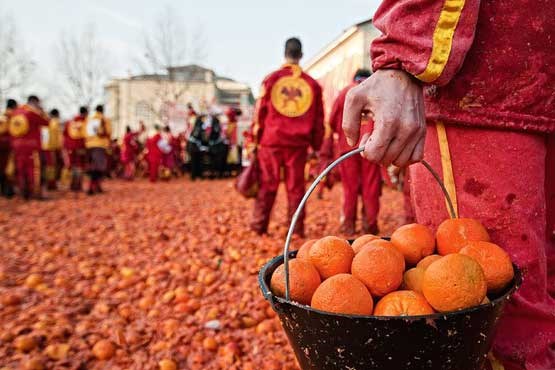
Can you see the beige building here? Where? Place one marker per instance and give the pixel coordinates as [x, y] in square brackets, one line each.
[162, 98]
[336, 64]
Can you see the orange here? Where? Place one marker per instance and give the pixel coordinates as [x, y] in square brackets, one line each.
[412, 279]
[304, 250]
[303, 280]
[331, 256]
[495, 262]
[380, 242]
[361, 241]
[379, 267]
[427, 261]
[454, 282]
[453, 234]
[415, 241]
[403, 303]
[345, 294]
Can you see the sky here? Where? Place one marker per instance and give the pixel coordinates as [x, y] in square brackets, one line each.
[243, 38]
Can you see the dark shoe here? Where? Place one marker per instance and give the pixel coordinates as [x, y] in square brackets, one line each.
[90, 192]
[370, 229]
[347, 228]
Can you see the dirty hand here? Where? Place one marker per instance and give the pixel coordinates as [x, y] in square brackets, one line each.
[396, 103]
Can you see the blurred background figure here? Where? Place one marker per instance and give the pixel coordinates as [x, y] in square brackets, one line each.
[358, 176]
[25, 131]
[217, 147]
[235, 151]
[74, 152]
[97, 142]
[6, 186]
[51, 141]
[129, 151]
[197, 145]
[153, 154]
[168, 155]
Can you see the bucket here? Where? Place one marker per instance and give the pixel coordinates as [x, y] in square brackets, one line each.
[457, 340]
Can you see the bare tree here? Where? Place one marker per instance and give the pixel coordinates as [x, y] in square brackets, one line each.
[167, 45]
[16, 64]
[83, 64]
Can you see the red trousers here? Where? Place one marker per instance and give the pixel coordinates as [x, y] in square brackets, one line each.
[153, 168]
[500, 179]
[77, 159]
[27, 168]
[272, 159]
[360, 177]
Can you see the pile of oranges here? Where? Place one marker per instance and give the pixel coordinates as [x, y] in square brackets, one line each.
[400, 277]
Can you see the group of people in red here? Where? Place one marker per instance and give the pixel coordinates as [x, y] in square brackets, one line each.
[35, 147]
[456, 83]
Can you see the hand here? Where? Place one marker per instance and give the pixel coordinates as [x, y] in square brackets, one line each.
[396, 103]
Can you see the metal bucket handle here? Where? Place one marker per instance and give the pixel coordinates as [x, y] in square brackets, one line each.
[313, 186]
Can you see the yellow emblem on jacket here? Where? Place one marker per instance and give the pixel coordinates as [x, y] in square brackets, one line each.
[291, 96]
[19, 125]
[75, 130]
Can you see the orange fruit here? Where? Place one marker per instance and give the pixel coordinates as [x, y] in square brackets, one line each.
[345, 294]
[331, 256]
[379, 267]
[380, 242]
[495, 262]
[415, 241]
[427, 261]
[454, 282]
[361, 241]
[304, 250]
[403, 303]
[303, 280]
[412, 279]
[453, 234]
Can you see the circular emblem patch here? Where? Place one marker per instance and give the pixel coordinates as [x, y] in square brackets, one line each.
[291, 96]
[19, 125]
[75, 130]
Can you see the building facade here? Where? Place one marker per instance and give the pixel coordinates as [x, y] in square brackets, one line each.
[162, 98]
[336, 64]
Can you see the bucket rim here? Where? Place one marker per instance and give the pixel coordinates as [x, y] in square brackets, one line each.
[278, 260]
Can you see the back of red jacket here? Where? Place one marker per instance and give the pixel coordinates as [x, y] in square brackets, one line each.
[290, 111]
[25, 127]
[74, 138]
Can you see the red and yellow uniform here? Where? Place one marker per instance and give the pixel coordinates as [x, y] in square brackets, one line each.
[5, 150]
[51, 142]
[487, 68]
[97, 132]
[358, 176]
[25, 131]
[74, 150]
[288, 119]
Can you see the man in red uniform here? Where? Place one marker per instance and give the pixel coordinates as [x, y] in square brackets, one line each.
[288, 119]
[129, 151]
[25, 128]
[487, 72]
[154, 154]
[75, 154]
[358, 176]
[6, 188]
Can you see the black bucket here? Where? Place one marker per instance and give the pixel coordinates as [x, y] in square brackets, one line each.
[457, 340]
[323, 341]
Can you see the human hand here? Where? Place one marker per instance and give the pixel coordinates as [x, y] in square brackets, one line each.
[396, 103]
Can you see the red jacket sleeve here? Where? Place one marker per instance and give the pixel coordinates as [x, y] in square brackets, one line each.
[427, 38]
[318, 131]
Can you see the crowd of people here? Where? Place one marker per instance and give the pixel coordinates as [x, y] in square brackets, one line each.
[38, 151]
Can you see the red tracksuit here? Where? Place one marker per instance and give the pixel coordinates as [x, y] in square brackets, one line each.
[129, 150]
[154, 156]
[25, 127]
[75, 152]
[489, 70]
[288, 119]
[358, 176]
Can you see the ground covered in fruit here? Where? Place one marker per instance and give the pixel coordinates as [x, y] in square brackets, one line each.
[147, 276]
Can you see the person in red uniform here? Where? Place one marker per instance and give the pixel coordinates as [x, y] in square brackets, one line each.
[154, 154]
[129, 151]
[75, 154]
[6, 187]
[289, 118]
[485, 72]
[25, 130]
[358, 176]
[51, 141]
